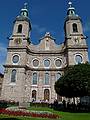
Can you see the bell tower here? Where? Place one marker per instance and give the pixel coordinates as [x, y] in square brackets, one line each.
[21, 29]
[16, 63]
[75, 40]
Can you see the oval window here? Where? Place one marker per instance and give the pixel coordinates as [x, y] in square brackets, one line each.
[58, 63]
[35, 63]
[46, 63]
[15, 59]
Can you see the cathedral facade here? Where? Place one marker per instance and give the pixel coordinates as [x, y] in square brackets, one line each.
[31, 70]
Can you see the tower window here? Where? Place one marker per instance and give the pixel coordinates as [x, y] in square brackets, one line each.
[19, 28]
[78, 59]
[72, 12]
[34, 78]
[13, 76]
[75, 27]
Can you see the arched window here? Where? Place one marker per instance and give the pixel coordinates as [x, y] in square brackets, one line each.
[58, 76]
[34, 78]
[46, 78]
[78, 59]
[75, 27]
[19, 28]
[72, 12]
[34, 93]
[13, 76]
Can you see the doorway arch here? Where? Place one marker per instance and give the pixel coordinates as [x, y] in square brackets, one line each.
[34, 93]
[46, 95]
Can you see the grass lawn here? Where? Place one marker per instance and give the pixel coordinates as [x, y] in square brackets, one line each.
[65, 115]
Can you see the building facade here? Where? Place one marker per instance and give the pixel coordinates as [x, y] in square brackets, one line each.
[31, 70]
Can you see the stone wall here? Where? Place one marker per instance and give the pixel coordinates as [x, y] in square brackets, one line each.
[1, 81]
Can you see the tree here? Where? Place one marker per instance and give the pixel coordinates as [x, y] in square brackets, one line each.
[75, 82]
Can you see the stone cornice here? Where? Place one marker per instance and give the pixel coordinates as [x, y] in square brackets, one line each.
[33, 69]
[15, 66]
[28, 50]
[46, 52]
[45, 69]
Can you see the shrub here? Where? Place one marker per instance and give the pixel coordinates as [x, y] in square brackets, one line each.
[3, 104]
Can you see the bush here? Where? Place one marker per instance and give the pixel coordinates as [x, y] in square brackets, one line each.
[3, 104]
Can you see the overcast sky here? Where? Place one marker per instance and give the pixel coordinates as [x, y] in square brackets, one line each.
[45, 16]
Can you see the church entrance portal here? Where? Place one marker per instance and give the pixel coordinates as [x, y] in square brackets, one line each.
[34, 92]
[46, 94]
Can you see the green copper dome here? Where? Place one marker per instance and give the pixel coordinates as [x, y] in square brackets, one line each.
[71, 10]
[24, 11]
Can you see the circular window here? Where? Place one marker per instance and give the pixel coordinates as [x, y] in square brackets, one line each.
[35, 63]
[78, 59]
[58, 63]
[15, 59]
[46, 63]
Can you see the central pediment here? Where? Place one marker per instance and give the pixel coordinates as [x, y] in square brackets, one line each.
[47, 45]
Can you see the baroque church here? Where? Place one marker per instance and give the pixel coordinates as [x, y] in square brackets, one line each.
[31, 70]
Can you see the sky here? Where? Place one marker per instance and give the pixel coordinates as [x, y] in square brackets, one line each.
[45, 16]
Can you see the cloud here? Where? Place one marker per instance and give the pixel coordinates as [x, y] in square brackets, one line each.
[38, 28]
[3, 53]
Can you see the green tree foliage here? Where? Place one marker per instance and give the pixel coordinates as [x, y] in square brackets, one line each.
[75, 82]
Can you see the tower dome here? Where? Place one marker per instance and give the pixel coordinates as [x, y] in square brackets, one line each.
[24, 11]
[71, 13]
[71, 10]
[23, 14]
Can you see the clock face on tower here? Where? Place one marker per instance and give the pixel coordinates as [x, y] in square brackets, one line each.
[18, 40]
[77, 40]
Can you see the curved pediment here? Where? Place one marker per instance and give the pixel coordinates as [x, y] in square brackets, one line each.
[47, 45]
